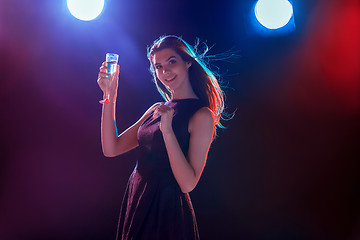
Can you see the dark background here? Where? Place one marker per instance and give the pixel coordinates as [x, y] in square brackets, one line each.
[286, 167]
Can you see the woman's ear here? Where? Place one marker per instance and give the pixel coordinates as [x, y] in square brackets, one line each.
[188, 64]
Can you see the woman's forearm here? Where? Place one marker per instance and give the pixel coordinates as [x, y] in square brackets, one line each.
[184, 173]
[108, 131]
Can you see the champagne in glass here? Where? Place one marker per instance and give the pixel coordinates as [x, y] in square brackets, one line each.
[111, 62]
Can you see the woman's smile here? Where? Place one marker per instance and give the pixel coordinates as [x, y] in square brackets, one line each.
[170, 79]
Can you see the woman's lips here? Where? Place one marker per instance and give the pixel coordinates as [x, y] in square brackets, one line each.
[170, 79]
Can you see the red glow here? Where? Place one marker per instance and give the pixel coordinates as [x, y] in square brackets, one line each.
[333, 49]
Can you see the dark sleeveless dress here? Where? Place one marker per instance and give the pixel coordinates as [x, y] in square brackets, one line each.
[154, 207]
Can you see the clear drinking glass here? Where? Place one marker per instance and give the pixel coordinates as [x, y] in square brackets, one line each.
[111, 61]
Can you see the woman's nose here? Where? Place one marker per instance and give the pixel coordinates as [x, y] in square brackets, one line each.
[165, 70]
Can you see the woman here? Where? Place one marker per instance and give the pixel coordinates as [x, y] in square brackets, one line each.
[173, 138]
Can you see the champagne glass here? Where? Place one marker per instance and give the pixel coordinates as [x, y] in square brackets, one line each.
[111, 62]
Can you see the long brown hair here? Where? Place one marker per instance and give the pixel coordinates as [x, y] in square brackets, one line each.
[202, 79]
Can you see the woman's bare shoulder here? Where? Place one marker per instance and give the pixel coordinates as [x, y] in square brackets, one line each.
[203, 117]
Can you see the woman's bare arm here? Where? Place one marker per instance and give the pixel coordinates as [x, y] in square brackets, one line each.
[112, 144]
[188, 169]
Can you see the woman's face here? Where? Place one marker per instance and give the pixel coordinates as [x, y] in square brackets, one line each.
[170, 69]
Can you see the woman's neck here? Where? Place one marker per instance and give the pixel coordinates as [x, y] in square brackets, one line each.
[186, 91]
[183, 95]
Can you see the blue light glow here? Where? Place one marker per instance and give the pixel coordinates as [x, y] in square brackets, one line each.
[85, 10]
[273, 14]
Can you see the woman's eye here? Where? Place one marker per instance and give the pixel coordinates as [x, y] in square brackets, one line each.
[158, 66]
[172, 61]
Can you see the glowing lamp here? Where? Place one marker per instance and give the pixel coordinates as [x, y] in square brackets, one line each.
[85, 10]
[273, 14]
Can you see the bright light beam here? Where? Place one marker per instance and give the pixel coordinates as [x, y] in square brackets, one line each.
[273, 14]
[85, 10]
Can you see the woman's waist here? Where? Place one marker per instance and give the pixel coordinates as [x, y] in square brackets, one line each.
[155, 172]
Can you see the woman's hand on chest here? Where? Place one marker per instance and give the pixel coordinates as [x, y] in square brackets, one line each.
[167, 114]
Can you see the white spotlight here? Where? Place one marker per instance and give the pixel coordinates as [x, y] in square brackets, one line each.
[85, 10]
[273, 14]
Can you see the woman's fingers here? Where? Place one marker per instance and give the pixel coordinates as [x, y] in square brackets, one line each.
[103, 75]
[156, 110]
[102, 79]
[162, 109]
[103, 72]
[103, 69]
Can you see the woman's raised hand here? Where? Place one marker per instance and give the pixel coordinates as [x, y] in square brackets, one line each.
[108, 83]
